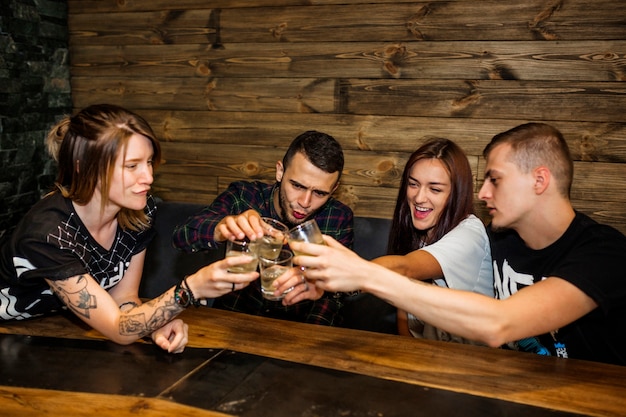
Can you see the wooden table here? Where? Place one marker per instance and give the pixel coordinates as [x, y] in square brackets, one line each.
[444, 372]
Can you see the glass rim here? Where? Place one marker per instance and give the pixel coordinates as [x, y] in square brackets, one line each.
[280, 253]
[272, 222]
[301, 225]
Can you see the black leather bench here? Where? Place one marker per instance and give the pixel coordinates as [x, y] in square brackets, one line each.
[166, 265]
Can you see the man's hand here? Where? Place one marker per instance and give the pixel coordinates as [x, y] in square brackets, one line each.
[240, 226]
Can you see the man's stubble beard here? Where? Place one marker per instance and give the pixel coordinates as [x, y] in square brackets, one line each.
[285, 208]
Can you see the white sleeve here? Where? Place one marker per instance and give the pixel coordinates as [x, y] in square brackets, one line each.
[464, 255]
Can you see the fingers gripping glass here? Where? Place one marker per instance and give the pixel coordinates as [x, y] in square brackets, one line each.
[308, 232]
[240, 248]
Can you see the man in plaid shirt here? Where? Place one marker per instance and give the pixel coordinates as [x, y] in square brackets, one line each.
[305, 180]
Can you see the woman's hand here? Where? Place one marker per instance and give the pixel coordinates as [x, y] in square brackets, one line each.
[172, 337]
[214, 280]
[299, 288]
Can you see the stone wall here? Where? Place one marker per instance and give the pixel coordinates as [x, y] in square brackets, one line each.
[34, 93]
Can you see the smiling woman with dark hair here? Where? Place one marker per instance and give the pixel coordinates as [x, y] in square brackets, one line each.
[434, 233]
[435, 237]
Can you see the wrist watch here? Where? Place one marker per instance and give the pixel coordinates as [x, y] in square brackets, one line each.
[182, 295]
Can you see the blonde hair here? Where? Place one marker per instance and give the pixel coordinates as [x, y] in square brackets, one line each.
[86, 146]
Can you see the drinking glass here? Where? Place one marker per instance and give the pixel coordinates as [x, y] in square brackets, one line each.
[272, 268]
[306, 232]
[239, 248]
[275, 236]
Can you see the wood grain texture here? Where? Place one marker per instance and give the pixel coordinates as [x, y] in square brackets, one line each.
[228, 84]
[509, 60]
[29, 402]
[475, 99]
[224, 22]
[570, 385]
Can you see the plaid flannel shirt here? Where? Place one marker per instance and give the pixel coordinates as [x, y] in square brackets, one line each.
[334, 219]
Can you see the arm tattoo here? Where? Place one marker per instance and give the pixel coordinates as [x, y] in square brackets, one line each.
[132, 305]
[74, 294]
[79, 300]
[138, 324]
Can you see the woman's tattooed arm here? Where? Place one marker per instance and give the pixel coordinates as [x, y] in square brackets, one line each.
[75, 295]
[162, 310]
[141, 320]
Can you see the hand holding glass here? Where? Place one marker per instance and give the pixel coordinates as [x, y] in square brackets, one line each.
[306, 232]
[239, 248]
[272, 268]
[275, 234]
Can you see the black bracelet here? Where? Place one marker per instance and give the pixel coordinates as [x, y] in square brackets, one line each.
[193, 299]
[128, 303]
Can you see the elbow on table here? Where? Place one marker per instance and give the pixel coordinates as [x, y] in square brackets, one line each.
[494, 335]
[113, 332]
[118, 338]
[124, 341]
[494, 343]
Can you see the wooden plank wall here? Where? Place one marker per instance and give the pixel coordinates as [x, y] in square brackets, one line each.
[228, 83]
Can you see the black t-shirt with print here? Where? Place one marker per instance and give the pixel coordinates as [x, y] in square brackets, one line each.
[51, 242]
[590, 256]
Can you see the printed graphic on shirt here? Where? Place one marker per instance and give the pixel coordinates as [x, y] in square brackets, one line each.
[510, 281]
[107, 267]
[507, 282]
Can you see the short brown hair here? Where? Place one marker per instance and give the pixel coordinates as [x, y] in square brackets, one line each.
[538, 144]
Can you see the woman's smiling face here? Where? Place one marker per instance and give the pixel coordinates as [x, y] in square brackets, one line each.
[427, 193]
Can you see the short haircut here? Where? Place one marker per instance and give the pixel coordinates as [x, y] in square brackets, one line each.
[321, 149]
[538, 144]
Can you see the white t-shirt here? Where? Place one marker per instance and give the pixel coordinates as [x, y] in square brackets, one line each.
[464, 255]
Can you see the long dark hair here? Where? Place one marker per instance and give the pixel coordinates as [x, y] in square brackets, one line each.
[403, 237]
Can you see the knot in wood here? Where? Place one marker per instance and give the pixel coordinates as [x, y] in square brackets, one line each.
[277, 31]
[588, 146]
[251, 168]
[203, 68]
[385, 166]
[395, 52]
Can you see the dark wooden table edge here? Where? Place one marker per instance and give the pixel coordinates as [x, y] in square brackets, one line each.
[582, 387]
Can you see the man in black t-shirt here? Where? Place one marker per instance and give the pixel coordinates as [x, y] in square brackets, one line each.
[576, 306]
[558, 276]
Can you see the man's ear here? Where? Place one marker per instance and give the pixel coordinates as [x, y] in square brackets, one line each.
[280, 171]
[543, 177]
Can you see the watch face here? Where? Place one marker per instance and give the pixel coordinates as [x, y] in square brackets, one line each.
[182, 296]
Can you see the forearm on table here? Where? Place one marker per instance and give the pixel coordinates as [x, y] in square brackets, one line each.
[144, 319]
